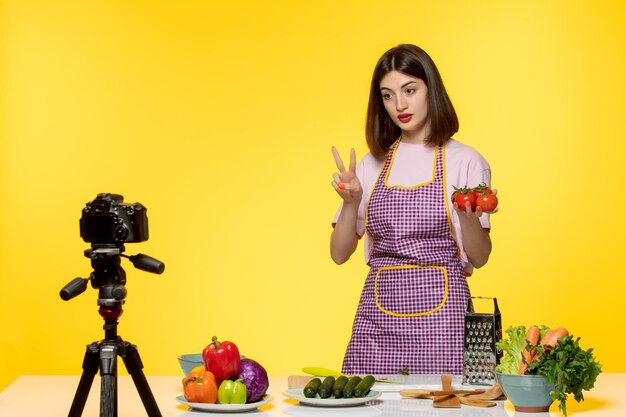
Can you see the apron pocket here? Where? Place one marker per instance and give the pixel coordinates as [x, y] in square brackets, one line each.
[410, 290]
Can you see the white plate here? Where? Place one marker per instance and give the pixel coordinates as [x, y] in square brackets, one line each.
[298, 395]
[225, 408]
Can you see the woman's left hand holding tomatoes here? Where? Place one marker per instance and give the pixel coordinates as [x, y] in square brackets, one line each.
[470, 204]
[475, 201]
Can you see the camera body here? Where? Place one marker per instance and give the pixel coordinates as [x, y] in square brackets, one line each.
[109, 220]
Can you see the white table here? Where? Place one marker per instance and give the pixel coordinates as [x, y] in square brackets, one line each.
[41, 396]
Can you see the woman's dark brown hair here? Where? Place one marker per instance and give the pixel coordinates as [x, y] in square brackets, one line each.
[380, 131]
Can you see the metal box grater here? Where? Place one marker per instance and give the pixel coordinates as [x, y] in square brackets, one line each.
[480, 355]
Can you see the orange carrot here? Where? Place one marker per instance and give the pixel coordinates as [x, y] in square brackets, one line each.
[532, 338]
[548, 335]
[551, 337]
[561, 332]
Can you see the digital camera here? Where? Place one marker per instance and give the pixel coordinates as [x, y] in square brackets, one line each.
[107, 219]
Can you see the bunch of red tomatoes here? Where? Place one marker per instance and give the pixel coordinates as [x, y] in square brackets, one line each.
[480, 196]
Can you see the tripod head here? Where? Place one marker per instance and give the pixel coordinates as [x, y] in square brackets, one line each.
[108, 276]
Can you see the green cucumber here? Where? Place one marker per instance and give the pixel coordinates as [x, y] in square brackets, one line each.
[327, 387]
[364, 386]
[310, 389]
[338, 387]
[348, 390]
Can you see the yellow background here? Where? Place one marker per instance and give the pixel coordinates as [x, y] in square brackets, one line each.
[219, 118]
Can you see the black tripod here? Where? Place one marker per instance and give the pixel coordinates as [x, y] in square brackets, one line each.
[103, 355]
[110, 278]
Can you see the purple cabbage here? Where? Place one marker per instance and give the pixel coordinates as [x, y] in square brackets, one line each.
[254, 377]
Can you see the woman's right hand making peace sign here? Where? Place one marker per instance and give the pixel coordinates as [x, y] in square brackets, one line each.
[345, 182]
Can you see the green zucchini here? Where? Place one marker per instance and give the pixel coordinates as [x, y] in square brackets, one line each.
[311, 388]
[364, 386]
[348, 390]
[338, 387]
[327, 387]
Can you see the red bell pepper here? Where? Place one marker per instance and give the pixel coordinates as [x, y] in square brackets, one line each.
[221, 358]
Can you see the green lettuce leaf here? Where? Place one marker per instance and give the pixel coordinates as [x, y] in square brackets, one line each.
[512, 348]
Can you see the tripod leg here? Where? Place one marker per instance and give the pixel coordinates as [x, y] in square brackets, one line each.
[90, 368]
[108, 373]
[134, 367]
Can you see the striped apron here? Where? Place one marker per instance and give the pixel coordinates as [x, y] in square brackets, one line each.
[411, 309]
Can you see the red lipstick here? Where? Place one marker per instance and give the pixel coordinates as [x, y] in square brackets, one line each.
[405, 117]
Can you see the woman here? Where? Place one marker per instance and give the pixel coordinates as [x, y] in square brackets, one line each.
[419, 245]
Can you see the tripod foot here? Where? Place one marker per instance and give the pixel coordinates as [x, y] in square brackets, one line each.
[133, 364]
[90, 368]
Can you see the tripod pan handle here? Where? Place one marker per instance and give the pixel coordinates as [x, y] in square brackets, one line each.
[75, 287]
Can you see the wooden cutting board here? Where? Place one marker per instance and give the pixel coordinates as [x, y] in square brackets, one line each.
[298, 381]
[446, 401]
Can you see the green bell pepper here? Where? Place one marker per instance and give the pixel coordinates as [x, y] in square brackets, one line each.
[232, 392]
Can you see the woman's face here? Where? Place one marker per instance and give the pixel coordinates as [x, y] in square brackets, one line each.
[405, 99]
